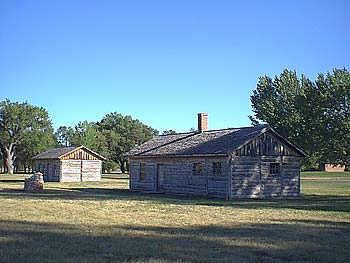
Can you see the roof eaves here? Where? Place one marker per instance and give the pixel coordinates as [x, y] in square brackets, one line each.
[180, 155]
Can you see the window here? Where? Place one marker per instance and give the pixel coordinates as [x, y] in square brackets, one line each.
[217, 168]
[274, 168]
[197, 169]
[142, 171]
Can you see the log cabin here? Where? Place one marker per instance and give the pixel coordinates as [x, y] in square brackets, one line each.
[248, 162]
[69, 164]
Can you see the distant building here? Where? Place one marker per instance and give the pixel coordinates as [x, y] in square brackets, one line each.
[238, 162]
[331, 167]
[69, 164]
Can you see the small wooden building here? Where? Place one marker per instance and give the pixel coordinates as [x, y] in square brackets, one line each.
[333, 167]
[69, 164]
[239, 162]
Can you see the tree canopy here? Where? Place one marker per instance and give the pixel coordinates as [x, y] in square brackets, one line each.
[25, 131]
[122, 133]
[314, 115]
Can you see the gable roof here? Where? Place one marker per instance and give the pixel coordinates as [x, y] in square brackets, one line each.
[216, 142]
[58, 153]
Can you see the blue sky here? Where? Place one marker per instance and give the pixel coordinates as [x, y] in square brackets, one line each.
[162, 62]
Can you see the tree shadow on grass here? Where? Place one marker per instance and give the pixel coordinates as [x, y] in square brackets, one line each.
[304, 202]
[304, 241]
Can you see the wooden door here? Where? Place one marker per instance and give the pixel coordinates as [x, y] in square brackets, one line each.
[160, 178]
[50, 170]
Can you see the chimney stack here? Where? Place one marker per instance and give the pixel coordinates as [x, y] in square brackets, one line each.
[202, 122]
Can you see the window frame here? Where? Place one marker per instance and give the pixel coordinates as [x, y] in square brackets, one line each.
[142, 172]
[275, 169]
[197, 169]
[217, 168]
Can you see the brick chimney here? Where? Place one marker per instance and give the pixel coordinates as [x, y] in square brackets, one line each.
[202, 122]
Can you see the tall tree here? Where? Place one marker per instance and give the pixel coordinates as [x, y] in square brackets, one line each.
[275, 102]
[336, 115]
[123, 133]
[87, 134]
[16, 121]
[314, 115]
[34, 142]
[65, 135]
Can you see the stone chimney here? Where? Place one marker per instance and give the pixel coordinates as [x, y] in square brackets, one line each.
[202, 122]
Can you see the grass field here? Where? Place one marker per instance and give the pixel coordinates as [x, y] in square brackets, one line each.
[104, 222]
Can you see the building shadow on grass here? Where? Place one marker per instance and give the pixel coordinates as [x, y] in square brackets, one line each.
[304, 202]
[295, 241]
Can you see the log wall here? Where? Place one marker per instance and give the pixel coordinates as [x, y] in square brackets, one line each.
[49, 168]
[245, 177]
[179, 176]
[91, 170]
[70, 171]
[251, 176]
[80, 170]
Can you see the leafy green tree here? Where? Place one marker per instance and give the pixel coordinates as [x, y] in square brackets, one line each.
[335, 121]
[34, 142]
[276, 102]
[17, 120]
[314, 115]
[65, 135]
[167, 132]
[86, 133]
[123, 133]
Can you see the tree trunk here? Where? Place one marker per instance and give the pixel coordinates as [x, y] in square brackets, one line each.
[9, 157]
[122, 165]
[127, 167]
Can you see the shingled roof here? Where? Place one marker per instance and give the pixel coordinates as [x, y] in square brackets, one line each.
[58, 153]
[217, 142]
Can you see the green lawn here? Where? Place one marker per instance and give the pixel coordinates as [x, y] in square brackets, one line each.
[104, 222]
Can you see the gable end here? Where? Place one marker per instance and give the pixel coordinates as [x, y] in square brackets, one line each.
[81, 153]
[269, 144]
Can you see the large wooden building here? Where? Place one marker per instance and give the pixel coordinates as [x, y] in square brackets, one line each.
[69, 164]
[229, 163]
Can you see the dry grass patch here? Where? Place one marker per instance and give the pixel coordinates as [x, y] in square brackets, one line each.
[104, 222]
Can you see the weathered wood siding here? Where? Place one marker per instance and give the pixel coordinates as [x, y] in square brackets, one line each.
[91, 170]
[266, 145]
[251, 177]
[79, 154]
[49, 168]
[70, 171]
[178, 176]
[250, 169]
[80, 170]
[291, 176]
[271, 184]
[245, 177]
